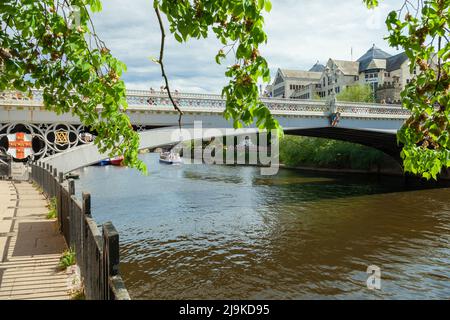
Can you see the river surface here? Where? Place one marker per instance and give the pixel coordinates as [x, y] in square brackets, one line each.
[226, 232]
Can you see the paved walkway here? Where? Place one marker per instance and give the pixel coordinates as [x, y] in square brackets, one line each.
[30, 246]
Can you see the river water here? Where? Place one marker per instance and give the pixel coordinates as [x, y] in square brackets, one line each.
[226, 232]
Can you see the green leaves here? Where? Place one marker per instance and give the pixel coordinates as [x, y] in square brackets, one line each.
[265, 4]
[48, 54]
[39, 48]
[221, 55]
[96, 5]
[238, 25]
[371, 3]
[424, 37]
[356, 93]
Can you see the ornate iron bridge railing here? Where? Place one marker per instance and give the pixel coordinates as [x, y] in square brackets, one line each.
[140, 98]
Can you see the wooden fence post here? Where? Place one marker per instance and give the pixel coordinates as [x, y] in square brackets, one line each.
[110, 257]
[69, 212]
[71, 187]
[86, 203]
[38, 175]
[51, 180]
[47, 180]
[59, 200]
[86, 212]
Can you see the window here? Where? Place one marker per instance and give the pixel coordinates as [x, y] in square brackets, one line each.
[356, 78]
[338, 89]
[367, 76]
[278, 92]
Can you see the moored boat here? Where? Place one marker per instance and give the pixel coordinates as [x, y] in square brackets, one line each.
[104, 162]
[72, 176]
[170, 158]
[117, 161]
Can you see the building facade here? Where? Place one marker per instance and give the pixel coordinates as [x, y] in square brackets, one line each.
[386, 74]
[288, 81]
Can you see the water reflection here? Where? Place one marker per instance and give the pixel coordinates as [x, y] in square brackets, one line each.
[194, 232]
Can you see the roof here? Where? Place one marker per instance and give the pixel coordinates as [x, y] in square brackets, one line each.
[348, 68]
[300, 74]
[372, 54]
[377, 64]
[395, 62]
[318, 67]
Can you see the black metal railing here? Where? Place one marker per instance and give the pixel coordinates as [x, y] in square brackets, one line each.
[97, 253]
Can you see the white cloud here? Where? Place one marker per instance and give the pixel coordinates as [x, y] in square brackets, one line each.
[300, 33]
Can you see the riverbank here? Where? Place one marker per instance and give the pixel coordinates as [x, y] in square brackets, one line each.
[30, 247]
[374, 171]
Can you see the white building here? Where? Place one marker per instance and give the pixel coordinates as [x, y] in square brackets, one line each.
[386, 74]
[288, 81]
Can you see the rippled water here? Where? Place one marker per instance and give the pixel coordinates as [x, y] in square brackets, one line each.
[206, 232]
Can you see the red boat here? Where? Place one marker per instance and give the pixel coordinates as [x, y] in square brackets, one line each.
[117, 161]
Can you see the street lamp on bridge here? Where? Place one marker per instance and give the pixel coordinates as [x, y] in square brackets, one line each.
[331, 75]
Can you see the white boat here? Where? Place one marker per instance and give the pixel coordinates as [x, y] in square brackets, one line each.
[170, 158]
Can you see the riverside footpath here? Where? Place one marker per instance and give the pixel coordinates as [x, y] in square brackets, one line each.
[30, 246]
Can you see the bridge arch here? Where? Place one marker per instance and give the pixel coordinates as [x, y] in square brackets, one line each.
[88, 154]
[383, 140]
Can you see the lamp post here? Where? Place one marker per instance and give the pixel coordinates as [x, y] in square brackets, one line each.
[331, 75]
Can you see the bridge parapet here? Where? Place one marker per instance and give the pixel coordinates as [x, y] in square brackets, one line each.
[215, 103]
[371, 109]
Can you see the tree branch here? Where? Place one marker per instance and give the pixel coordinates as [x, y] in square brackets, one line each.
[160, 61]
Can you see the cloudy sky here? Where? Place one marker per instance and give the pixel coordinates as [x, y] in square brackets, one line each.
[300, 33]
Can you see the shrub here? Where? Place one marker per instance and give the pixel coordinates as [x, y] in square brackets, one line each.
[67, 258]
[356, 93]
[52, 209]
[318, 152]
